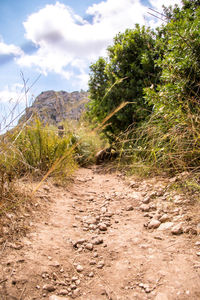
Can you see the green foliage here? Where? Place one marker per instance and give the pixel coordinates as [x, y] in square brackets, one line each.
[86, 142]
[121, 78]
[170, 140]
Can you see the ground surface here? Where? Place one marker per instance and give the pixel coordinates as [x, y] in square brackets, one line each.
[94, 240]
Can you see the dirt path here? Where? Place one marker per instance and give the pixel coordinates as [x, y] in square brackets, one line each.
[91, 243]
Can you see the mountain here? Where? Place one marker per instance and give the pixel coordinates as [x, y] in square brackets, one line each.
[53, 107]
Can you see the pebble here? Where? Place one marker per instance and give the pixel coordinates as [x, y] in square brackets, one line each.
[91, 274]
[164, 218]
[103, 210]
[97, 241]
[100, 264]
[109, 214]
[74, 278]
[177, 229]
[145, 207]
[146, 200]
[154, 224]
[55, 264]
[77, 282]
[197, 243]
[63, 292]
[102, 226]
[79, 268]
[92, 262]
[198, 253]
[49, 287]
[165, 226]
[90, 220]
[92, 227]
[129, 208]
[89, 246]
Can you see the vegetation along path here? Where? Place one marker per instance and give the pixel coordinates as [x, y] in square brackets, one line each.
[96, 239]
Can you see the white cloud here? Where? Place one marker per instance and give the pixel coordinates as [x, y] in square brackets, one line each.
[67, 43]
[9, 49]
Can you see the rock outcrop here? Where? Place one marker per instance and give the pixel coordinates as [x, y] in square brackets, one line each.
[53, 107]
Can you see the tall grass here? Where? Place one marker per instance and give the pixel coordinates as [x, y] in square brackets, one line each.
[165, 143]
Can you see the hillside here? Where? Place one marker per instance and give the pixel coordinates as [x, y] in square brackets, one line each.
[54, 107]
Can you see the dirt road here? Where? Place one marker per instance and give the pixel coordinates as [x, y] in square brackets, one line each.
[104, 238]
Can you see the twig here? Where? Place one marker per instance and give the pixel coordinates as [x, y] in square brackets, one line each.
[20, 298]
[4, 247]
[3, 280]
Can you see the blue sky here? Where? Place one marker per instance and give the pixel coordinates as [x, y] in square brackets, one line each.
[56, 41]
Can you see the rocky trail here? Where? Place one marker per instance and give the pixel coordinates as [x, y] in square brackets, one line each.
[105, 237]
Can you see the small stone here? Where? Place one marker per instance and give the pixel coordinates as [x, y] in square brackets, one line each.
[74, 278]
[177, 229]
[92, 262]
[102, 226]
[197, 243]
[92, 227]
[165, 226]
[190, 230]
[73, 286]
[103, 210]
[109, 214]
[79, 242]
[97, 241]
[164, 218]
[49, 287]
[95, 255]
[91, 274]
[77, 282]
[154, 224]
[55, 264]
[79, 268]
[146, 200]
[198, 253]
[63, 292]
[89, 246]
[145, 207]
[100, 264]
[91, 220]
[129, 208]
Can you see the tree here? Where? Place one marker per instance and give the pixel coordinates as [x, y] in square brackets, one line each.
[121, 78]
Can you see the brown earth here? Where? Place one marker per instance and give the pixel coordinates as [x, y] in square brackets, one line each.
[93, 240]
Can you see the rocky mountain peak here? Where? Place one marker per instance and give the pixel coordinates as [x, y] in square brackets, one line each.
[53, 107]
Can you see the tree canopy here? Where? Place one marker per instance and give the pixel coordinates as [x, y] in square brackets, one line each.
[121, 77]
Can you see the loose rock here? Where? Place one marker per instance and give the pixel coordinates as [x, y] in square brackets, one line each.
[164, 218]
[145, 207]
[97, 241]
[89, 246]
[154, 224]
[129, 208]
[102, 226]
[79, 268]
[49, 287]
[177, 229]
[165, 226]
